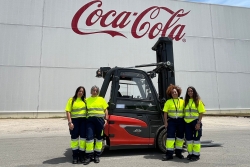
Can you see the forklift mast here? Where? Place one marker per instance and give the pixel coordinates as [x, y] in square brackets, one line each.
[164, 54]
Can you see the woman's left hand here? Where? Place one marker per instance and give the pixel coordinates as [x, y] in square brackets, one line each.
[197, 126]
[105, 122]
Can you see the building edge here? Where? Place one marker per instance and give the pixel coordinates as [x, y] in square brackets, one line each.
[61, 114]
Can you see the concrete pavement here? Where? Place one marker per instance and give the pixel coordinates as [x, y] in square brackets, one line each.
[45, 142]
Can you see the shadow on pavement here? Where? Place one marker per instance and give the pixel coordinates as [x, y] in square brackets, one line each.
[148, 153]
[159, 156]
[128, 152]
[66, 159]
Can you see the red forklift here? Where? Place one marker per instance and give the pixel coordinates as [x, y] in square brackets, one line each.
[135, 107]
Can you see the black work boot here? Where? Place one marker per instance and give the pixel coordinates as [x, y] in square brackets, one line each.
[75, 160]
[195, 158]
[82, 157]
[179, 155]
[189, 157]
[167, 157]
[96, 159]
[75, 155]
[87, 161]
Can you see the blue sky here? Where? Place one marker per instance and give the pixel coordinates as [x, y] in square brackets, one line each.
[240, 3]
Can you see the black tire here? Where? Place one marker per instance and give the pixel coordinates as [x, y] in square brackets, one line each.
[161, 140]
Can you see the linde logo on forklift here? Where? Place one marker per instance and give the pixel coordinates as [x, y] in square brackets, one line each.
[139, 28]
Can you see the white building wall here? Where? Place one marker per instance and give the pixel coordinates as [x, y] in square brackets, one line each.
[42, 61]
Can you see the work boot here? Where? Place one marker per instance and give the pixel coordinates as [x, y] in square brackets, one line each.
[75, 161]
[82, 156]
[179, 156]
[96, 159]
[82, 159]
[189, 157]
[167, 157]
[195, 158]
[86, 161]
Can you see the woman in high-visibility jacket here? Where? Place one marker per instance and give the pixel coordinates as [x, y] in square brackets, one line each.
[193, 109]
[97, 116]
[173, 120]
[76, 115]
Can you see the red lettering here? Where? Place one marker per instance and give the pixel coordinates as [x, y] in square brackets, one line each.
[178, 36]
[139, 27]
[104, 17]
[90, 17]
[137, 21]
[75, 20]
[168, 24]
[123, 23]
[151, 32]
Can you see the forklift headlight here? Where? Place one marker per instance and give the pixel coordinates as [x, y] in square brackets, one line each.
[101, 72]
[98, 73]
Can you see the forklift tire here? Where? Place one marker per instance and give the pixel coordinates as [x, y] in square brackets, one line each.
[161, 140]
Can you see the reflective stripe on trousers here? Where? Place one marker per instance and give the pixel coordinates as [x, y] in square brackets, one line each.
[82, 144]
[89, 146]
[193, 138]
[170, 144]
[98, 145]
[175, 129]
[79, 132]
[74, 143]
[179, 143]
[95, 127]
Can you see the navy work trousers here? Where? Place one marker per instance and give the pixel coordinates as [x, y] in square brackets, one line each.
[175, 129]
[95, 127]
[78, 131]
[191, 133]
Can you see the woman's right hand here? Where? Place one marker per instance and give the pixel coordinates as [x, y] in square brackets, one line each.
[71, 126]
[166, 124]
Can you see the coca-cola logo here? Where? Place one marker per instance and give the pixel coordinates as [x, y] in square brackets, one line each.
[139, 27]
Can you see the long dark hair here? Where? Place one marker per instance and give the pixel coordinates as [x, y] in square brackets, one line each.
[75, 96]
[196, 96]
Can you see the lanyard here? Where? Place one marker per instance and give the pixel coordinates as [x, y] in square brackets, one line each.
[190, 106]
[178, 105]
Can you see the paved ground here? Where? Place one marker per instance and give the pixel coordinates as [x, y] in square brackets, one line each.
[45, 142]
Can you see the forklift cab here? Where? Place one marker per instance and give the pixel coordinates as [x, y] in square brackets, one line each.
[135, 116]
